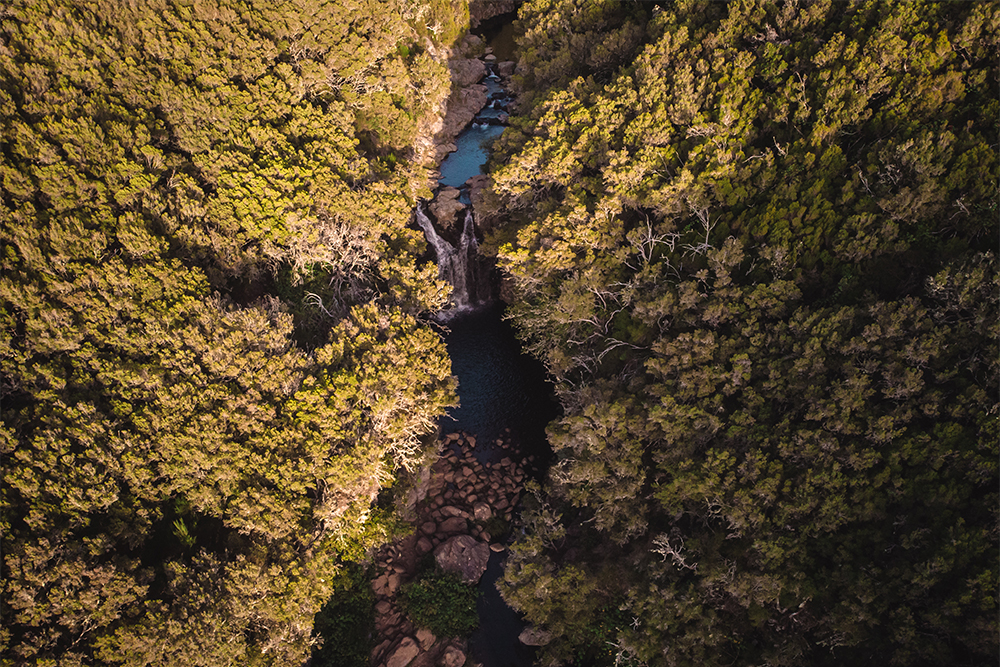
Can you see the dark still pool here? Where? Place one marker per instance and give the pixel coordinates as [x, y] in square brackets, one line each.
[499, 387]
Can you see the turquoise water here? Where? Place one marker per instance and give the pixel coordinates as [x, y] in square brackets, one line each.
[470, 157]
[472, 145]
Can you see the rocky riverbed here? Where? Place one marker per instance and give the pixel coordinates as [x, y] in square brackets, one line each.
[469, 490]
[468, 65]
[457, 502]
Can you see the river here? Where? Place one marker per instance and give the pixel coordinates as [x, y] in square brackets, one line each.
[502, 391]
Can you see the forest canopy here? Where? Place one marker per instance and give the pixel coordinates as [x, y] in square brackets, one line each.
[210, 354]
[755, 243]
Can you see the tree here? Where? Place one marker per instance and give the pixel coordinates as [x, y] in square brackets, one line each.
[190, 456]
[733, 250]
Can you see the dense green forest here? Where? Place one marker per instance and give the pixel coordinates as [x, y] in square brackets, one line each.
[210, 351]
[755, 245]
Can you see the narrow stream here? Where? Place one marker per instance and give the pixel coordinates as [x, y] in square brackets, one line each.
[500, 389]
[503, 393]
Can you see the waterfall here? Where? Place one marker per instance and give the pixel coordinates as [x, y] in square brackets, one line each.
[462, 266]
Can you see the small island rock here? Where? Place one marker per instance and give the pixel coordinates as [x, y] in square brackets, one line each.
[482, 512]
[453, 657]
[532, 636]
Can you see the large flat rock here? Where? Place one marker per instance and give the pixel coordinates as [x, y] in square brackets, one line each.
[466, 71]
[464, 555]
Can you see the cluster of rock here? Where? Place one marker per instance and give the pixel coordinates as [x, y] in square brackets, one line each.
[461, 495]
[468, 96]
[445, 208]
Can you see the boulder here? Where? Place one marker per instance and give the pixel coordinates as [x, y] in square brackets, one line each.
[381, 585]
[428, 528]
[463, 555]
[531, 636]
[424, 545]
[426, 638]
[446, 207]
[386, 625]
[466, 71]
[477, 183]
[404, 653]
[380, 649]
[455, 524]
[451, 510]
[482, 512]
[497, 548]
[452, 657]
[506, 68]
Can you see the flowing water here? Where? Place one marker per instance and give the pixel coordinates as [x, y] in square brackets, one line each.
[503, 393]
[462, 267]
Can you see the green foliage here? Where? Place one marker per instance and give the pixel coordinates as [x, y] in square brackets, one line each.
[497, 526]
[346, 623]
[378, 526]
[441, 602]
[188, 454]
[753, 246]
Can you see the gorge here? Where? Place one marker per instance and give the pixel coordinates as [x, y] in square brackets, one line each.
[493, 442]
[713, 382]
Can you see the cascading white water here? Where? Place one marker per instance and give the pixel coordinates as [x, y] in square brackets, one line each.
[459, 266]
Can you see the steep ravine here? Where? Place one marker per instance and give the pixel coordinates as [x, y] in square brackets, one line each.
[495, 441]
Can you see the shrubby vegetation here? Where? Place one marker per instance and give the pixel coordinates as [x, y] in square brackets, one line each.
[441, 602]
[210, 355]
[755, 243]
